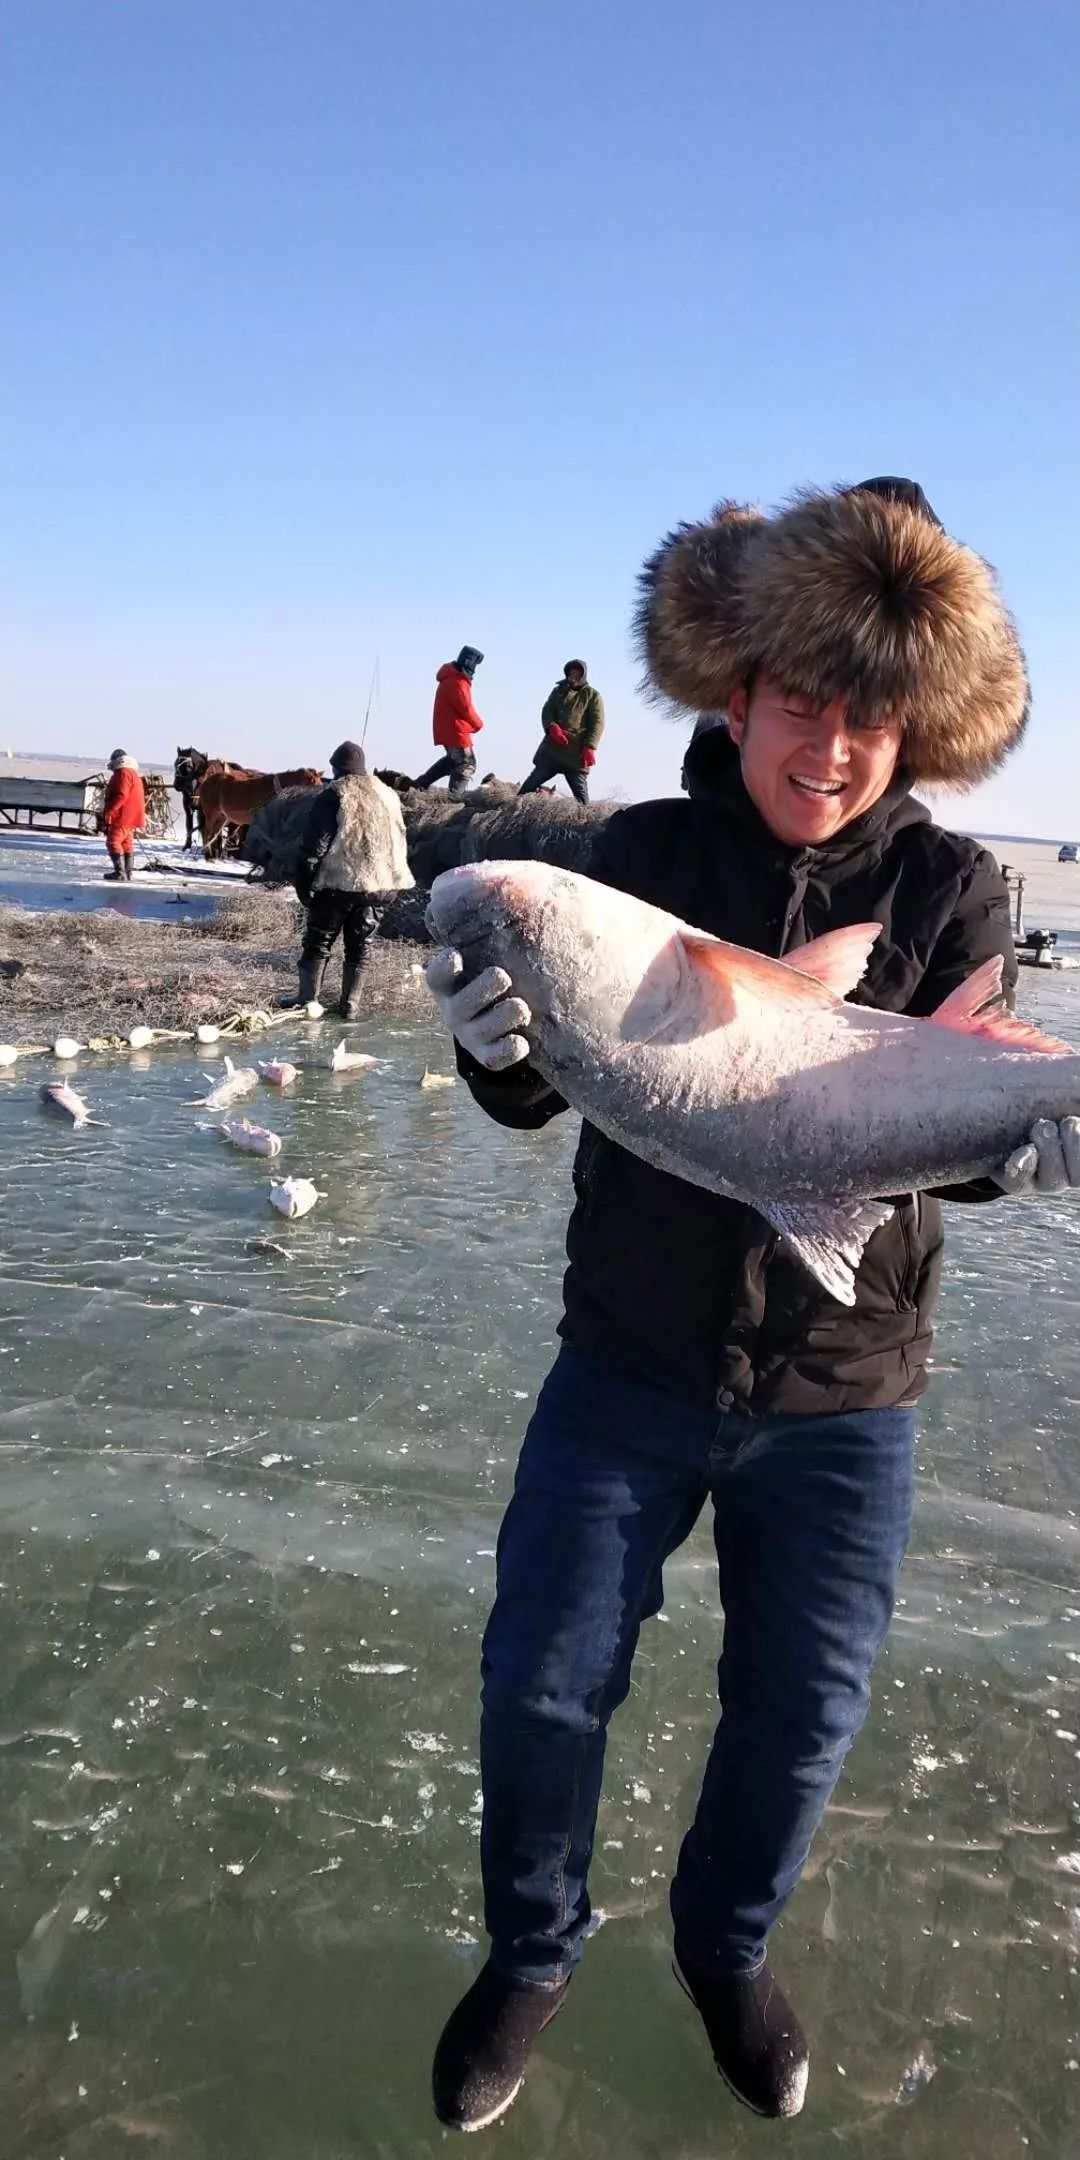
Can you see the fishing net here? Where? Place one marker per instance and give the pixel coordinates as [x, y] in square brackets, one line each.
[490, 823]
[105, 974]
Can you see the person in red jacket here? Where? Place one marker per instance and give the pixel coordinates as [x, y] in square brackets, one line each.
[454, 723]
[124, 815]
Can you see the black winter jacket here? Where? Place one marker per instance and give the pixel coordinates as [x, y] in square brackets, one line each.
[693, 1293]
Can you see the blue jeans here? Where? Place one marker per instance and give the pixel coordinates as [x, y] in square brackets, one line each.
[811, 1518]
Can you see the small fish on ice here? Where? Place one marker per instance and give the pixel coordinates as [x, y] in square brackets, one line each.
[350, 1060]
[277, 1072]
[250, 1139]
[238, 1081]
[294, 1196]
[60, 1097]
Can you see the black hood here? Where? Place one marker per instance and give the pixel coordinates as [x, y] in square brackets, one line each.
[712, 770]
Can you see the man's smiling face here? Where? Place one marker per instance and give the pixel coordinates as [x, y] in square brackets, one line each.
[805, 770]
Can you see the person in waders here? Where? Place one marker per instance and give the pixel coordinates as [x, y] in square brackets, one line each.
[353, 855]
[123, 814]
[855, 651]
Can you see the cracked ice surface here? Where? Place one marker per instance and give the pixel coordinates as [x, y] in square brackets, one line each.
[245, 1555]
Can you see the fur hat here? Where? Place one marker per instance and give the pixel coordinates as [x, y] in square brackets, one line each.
[857, 593]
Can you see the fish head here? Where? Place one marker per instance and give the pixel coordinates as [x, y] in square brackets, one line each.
[570, 945]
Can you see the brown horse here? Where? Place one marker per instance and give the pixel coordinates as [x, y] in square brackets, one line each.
[188, 771]
[228, 796]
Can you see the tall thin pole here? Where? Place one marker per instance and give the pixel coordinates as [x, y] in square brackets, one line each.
[370, 699]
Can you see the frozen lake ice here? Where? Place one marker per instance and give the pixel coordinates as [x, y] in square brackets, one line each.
[246, 1545]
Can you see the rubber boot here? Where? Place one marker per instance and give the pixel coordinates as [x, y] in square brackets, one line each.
[129, 865]
[310, 980]
[350, 989]
[115, 876]
[309, 977]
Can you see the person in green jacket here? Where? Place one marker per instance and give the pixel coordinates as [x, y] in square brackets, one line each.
[573, 722]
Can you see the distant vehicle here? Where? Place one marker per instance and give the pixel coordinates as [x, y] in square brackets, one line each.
[1070, 852]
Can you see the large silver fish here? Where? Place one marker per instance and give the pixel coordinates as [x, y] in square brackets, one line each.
[63, 1100]
[237, 1081]
[250, 1139]
[751, 1076]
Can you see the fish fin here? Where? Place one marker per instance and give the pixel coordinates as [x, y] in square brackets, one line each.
[732, 964]
[229, 1067]
[838, 959]
[977, 1007]
[826, 968]
[829, 1237]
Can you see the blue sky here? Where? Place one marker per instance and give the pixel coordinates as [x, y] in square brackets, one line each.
[332, 330]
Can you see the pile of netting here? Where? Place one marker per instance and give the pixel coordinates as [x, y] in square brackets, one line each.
[103, 974]
[491, 823]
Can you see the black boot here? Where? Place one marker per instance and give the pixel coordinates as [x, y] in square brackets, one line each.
[309, 976]
[758, 2044]
[350, 989]
[310, 979]
[129, 865]
[480, 2061]
[115, 876]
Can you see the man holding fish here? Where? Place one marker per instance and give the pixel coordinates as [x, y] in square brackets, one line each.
[756, 1245]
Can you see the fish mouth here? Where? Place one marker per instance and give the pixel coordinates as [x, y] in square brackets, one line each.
[460, 926]
[458, 910]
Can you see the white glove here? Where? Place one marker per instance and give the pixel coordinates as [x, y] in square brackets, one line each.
[487, 1019]
[1049, 1160]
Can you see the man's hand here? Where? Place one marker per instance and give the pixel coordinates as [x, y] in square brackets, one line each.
[1049, 1160]
[557, 734]
[484, 1015]
[588, 760]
